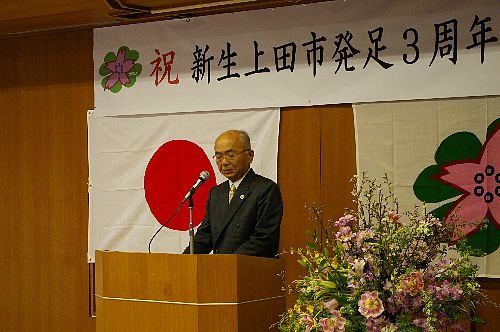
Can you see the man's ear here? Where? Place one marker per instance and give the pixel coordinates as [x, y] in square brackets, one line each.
[251, 154]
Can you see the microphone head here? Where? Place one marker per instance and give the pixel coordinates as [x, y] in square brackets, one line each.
[204, 176]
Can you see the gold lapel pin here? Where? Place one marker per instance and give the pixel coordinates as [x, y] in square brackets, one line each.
[242, 196]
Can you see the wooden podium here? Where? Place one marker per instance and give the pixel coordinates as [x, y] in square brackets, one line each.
[167, 292]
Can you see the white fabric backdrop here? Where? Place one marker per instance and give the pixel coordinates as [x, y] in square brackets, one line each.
[119, 151]
[401, 138]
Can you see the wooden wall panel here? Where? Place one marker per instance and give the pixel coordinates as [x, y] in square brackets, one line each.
[45, 91]
[299, 180]
[489, 312]
[316, 161]
[299, 170]
[338, 159]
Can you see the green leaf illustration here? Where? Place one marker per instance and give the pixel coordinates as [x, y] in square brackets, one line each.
[110, 56]
[431, 190]
[493, 126]
[103, 82]
[458, 146]
[131, 55]
[117, 87]
[136, 70]
[103, 70]
[132, 79]
[486, 239]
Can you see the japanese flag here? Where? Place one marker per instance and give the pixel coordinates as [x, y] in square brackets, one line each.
[142, 166]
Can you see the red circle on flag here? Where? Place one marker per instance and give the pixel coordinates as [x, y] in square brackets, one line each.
[171, 172]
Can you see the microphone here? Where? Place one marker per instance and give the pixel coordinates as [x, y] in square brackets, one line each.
[203, 177]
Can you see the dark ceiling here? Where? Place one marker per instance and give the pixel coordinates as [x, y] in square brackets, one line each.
[21, 17]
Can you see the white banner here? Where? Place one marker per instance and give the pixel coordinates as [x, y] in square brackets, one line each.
[324, 53]
[419, 144]
[142, 166]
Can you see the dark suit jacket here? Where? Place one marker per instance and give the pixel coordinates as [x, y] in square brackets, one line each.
[250, 225]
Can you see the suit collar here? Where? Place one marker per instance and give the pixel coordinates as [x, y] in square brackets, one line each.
[247, 179]
[237, 183]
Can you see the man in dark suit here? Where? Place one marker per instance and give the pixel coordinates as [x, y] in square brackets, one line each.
[243, 214]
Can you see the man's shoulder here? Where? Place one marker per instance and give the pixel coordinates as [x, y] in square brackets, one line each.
[260, 180]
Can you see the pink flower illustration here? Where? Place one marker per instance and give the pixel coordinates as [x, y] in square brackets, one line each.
[119, 68]
[370, 305]
[479, 181]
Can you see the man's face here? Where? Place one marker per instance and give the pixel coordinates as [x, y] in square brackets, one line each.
[232, 157]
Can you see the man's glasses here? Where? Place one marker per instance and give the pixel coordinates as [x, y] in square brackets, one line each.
[229, 155]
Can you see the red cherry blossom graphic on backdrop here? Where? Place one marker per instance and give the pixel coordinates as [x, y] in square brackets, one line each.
[171, 172]
[479, 182]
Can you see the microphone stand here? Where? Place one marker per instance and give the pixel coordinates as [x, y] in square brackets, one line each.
[191, 230]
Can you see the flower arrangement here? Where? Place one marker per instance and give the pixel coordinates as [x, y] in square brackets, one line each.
[376, 270]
